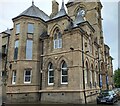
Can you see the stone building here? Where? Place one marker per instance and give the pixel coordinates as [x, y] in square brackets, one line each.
[59, 58]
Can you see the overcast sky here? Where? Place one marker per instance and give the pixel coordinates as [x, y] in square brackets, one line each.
[12, 8]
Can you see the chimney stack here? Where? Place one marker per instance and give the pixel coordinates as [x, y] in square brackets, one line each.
[55, 8]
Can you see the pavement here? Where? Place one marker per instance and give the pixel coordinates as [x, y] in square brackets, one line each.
[89, 104]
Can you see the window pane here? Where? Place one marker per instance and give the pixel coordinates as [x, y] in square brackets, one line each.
[55, 44]
[14, 77]
[27, 73]
[16, 49]
[59, 35]
[64, 79]
[27, 76]
[64, 65]
[29, 49]
[51, 73]
[17, 28]
[30, 28]
[60, 43]
[27, 79]
[55, 36]
[57, 39]
[85, 76]
[64, 72]
[51, 80]
[50, 66]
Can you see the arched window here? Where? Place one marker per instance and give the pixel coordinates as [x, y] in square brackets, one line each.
[57, 39]
[81, 11]
[50, 74]
[16, 49]
[64, 73]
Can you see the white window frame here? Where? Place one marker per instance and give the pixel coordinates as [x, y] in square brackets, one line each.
[64, 75]
[14, 77]
[27, 82]
[49, 75]
[57, 43]
[18, 28]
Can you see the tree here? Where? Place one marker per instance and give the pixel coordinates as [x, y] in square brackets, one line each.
[117, 78]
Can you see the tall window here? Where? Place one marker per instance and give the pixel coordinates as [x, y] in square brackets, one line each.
[30, 28]
[17, 28]
[4, 48]
[57, 39]
[91, 78]
[100, 80]
[29, 46]
[95, 78]
[14, 77]
[50, 74]
[92, 75]
[16, 49]
[64, 73]
[27, 76]
[86, 74]
[90, 45]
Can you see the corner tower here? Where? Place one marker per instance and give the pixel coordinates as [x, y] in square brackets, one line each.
[24, 75]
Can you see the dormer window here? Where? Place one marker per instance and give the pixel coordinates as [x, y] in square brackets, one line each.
[57, 39]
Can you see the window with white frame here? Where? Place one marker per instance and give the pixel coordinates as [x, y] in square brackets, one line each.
[30, 28]
[57, 39]
[27, 75]
[14, 77]
[17, 28]
[64, 73]
[50, 74]
[29, 46]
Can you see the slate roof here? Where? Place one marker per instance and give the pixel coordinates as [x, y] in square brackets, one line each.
[61, 13]
[34, 11]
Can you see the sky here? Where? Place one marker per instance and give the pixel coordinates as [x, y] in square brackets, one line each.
[12, 8]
